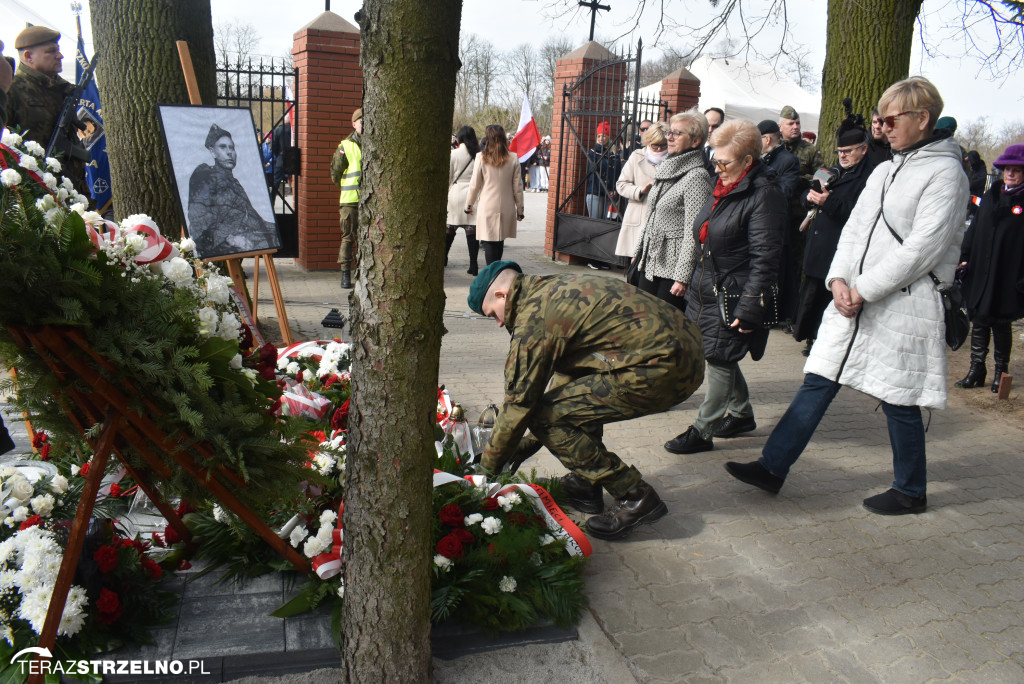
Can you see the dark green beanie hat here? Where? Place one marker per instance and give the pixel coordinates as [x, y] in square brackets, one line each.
[482, 283]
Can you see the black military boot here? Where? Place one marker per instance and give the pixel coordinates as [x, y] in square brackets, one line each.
[449, 238]
[979, 350]
[581, 494]
[1002, 343]
[346, 279]
[640, 505]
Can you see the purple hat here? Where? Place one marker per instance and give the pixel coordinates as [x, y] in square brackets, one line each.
[1013, 156]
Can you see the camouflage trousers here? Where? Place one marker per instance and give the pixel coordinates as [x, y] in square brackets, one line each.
[569, 419]
[349, 219]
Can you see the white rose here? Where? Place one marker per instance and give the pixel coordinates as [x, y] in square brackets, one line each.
[59, 484]
[20, 514]
[208, 320]
[187, 245]
[235, 362]
[6, 471]
[22, 490]
[10, 177]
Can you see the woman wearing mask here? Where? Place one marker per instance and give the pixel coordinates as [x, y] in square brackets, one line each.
[498, 185]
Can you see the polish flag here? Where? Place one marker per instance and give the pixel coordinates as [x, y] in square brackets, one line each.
[527, 137]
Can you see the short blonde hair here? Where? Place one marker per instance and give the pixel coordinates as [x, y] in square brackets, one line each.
[914, 94]
[742, 136]
[657, 134]
[694, 123]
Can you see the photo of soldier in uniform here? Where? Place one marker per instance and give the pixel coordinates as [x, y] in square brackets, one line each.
[218, 172]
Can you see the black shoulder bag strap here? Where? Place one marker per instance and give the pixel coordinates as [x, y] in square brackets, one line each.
[462, 171]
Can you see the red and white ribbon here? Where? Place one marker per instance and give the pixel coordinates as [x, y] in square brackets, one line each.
[327, 565]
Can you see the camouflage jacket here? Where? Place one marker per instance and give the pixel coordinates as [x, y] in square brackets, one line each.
[579, 325]
[221, 218]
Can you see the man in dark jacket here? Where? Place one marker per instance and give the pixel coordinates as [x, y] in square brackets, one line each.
[623, 354]
[777, 158]
[831, 206]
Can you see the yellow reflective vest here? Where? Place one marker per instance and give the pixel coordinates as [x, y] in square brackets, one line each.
[349, 182]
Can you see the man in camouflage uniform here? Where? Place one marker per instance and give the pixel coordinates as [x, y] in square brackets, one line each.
[624, 353]
[221, 218]
[810, 161]
[37, 95]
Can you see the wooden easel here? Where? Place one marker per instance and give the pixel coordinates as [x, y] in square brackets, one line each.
[234, 261]
[72, 361]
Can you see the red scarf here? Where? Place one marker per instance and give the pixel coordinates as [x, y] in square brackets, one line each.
[720, 191]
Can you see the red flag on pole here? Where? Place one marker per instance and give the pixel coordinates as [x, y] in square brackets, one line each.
[527, 136]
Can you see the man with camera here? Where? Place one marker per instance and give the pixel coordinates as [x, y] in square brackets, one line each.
[831, 198]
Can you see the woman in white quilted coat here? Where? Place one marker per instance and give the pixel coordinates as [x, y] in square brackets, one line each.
[884, 333]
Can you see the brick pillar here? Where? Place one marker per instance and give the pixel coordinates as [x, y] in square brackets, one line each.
[605, 87]
[681, 90]
[326, 53]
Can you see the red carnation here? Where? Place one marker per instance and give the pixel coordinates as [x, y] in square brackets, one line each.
[517, 518]
[38, 439]
[464, 536]
[451, 515]
[298, 375]
[329, 380]
[450, 547]
[31, 521]
[339, 421]
[158, 540]
[85, 469]
[491, 504]
[44, 452]
[153, 568]
[106, 558]
[183, 508]
[171, 535]
[268, 355]
[109, 606]
[184, 564]
[115, 489]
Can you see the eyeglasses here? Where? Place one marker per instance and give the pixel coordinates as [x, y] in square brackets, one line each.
[675, 134]
[657, 146]
[722, 164]
[848, 150]
[890, 121]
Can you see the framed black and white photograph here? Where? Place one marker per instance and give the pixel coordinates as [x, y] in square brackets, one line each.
[218, 174]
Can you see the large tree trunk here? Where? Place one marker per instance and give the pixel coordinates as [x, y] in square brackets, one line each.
[139, 68]
[409, 57]
[867, 50]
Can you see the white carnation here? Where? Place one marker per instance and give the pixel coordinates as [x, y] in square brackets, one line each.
[328, 517]
[229, 327]
[292, 368]
[314, 546]
[20, 514]
[297, 535]
[43, 504]
[178, 271]
[53, 164]
[51, 216]
[443, 563]
[235, 362]
[62, 194]
[187, 245]
[139, 220]
[507, 584]
[67, 184]
[472, 519]
[10, 138]
[217, 288]
[10, 177]
[35, 148]
[50, 181]
[80, 206]
[491, 525]
[507, 502]
[208, 321]
[92, 218]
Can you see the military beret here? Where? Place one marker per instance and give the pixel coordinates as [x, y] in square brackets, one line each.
[482, 283]
[35, 35]
[357, 115]
[946, 122]
[788, 113]
[768, 126]
[215, 134]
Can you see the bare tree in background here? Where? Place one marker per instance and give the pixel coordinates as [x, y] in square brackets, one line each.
[234, 43]
[798, 67]
[525, 69]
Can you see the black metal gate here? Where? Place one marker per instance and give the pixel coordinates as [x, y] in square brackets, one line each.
[268, 88]
[607, 95]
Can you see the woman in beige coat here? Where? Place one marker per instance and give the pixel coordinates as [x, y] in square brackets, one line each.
[498, 184]
[635, 182]
[460, 172]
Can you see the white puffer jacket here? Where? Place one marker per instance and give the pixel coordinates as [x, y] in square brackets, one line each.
[895, 348]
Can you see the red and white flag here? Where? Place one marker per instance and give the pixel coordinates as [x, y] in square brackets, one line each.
[527, 136]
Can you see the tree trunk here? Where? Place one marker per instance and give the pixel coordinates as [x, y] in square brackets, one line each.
[139, 68]
[409, 58]
[867, 50]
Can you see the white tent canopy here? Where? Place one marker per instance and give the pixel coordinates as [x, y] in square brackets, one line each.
[745, 90]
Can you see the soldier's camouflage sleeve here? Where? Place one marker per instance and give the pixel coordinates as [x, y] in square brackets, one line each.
[339, 164]
[528, 369]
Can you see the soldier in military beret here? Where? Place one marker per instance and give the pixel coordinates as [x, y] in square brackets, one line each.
[38, 92]
[221, 218]
[623, 354]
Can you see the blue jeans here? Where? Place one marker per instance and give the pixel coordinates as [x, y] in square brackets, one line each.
[597, 206]
[790, 437]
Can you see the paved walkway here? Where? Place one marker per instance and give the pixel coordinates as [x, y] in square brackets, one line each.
[736, 585]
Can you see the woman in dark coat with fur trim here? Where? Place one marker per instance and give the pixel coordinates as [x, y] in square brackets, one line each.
[993, 256]
[740, 232]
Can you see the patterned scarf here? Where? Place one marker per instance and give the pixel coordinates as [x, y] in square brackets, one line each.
[720, 191]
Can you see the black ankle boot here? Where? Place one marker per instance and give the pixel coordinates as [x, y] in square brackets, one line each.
[581, 494]
[474, 250]
[1002, 342]
[449, 238]
[346, 280]
[975, 376]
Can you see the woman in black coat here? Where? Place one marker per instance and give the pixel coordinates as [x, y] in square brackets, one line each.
[740, 233]
[993, 256]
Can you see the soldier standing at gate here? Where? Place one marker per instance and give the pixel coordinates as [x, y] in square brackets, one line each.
[346, 170]
[623, 353]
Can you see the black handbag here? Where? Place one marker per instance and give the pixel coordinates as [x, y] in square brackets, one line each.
[728, 293]
[954, 308]
[633, 272]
